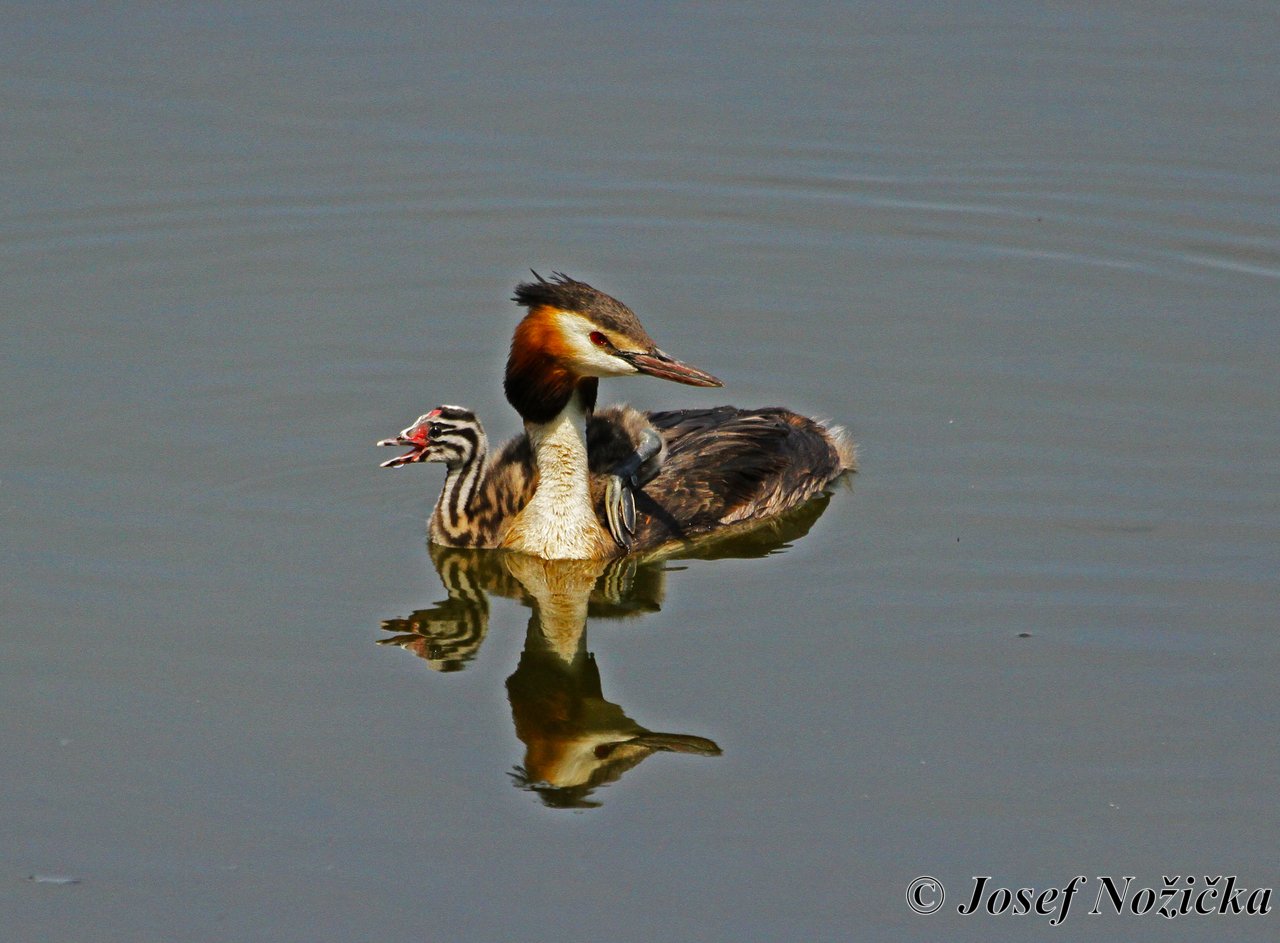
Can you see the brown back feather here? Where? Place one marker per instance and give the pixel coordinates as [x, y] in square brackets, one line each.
[729, 466]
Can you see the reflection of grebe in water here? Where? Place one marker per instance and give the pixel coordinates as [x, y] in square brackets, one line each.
[724, 468]
[575, 740]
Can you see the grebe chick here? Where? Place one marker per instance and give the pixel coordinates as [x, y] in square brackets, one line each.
[724, 467]
[482, 494]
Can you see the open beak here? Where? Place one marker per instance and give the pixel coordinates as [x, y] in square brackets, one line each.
[657, 364]
[417, 448]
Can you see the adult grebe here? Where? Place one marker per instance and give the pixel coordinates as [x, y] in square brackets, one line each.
[482, 495]
[724, 467]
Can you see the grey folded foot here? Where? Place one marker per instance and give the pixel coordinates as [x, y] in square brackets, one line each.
[629, 476]
[620, 509]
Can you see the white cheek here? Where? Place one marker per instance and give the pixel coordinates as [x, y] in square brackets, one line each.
[589, 359]
[604, 365]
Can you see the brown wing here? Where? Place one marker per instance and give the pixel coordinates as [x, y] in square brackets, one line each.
[730, 466]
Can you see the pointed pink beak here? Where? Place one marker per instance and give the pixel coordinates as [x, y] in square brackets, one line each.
[657, 364]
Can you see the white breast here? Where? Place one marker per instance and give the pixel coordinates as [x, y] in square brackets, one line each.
[559, 522]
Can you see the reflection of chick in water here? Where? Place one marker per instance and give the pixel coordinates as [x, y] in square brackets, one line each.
[574, 739]
[449, 634]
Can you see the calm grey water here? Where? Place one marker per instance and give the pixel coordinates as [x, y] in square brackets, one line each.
[1028, 253]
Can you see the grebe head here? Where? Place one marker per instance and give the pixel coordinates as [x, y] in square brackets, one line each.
[574, 333]
[448, 434]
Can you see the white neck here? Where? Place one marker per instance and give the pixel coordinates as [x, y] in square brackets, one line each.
[559, 522]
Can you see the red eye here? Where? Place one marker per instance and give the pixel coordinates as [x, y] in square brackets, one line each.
[599, 339]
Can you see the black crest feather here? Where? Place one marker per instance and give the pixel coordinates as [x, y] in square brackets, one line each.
[568, 294]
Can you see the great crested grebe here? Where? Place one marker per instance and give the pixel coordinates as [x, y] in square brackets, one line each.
[482, 494]
[724, 467]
